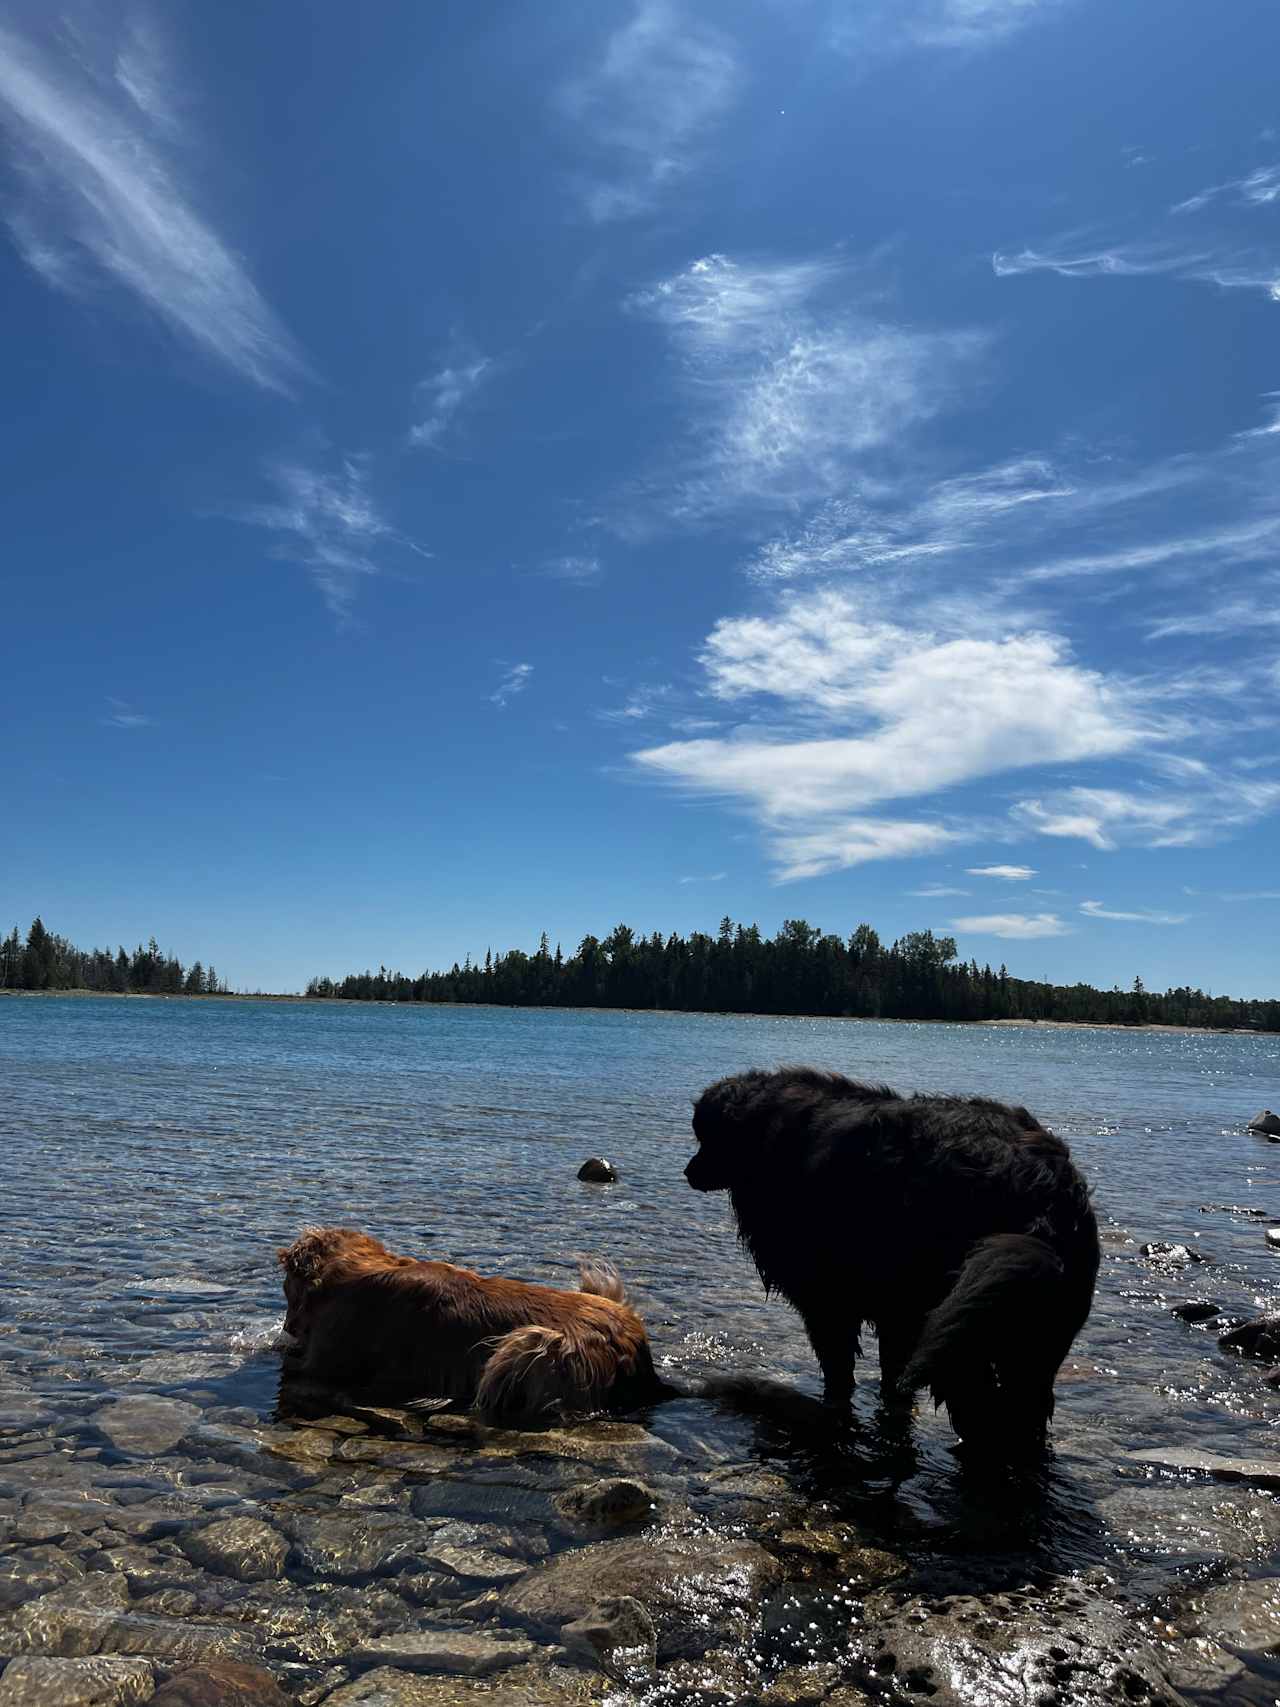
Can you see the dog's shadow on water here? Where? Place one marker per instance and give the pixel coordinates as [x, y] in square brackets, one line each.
[907, 1486]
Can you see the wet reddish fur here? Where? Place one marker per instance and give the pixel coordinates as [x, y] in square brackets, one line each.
[364, 1317]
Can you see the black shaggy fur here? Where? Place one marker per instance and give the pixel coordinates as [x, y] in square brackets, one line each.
[956, 1226]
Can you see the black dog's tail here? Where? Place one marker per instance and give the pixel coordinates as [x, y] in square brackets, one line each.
[990, 1350]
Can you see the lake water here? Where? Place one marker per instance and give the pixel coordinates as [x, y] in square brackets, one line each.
[153, 1154]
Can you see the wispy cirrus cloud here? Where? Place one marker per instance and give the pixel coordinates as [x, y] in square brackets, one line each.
[849, 712]
[328, 521]
[122, 715]
[1259, 188]
[663, 80]
[861, 28]
[1197, 806]
[514, 681]
[1230, 269]
[710, 877]
[444, 394]
[790, 389]
[1016, 927]
[100, 194]
[936, 891]
[1008, 873]
[579, 570]
[1142, 916]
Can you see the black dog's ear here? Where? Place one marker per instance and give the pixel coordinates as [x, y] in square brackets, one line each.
[727, 1103]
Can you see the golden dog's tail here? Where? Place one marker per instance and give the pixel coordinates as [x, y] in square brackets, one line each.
[601, 1278]
[535, 1370]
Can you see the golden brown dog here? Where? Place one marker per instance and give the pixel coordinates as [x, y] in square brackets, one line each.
[363, 1317]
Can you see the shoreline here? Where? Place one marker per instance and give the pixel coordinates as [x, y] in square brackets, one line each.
[711, 1013]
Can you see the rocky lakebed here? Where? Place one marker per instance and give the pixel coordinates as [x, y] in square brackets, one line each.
[163, 1545]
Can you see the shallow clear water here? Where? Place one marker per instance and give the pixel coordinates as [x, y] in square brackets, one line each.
[154, 1153]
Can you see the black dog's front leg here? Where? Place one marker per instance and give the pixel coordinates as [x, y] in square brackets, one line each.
[836, 1346]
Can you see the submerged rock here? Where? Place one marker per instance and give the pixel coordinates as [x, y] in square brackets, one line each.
[34, 1680]
[1259, 1338]
[221, 1684]
[352, 1543]
[615, 1499]
[1163, 1251]
[524, 1686]
[618, 1636]
[1258, 1472]
[463, 1652]
[1266, 1122]
[146, 1426]
[596, 1171]
[240, 1547]
[965, 1649]
[689, 1585]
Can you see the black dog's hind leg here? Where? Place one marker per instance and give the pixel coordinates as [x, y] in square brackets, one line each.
[836, 1346]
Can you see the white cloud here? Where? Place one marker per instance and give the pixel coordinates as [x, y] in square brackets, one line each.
[515, 681]
[1018, 927]
[663, 81]
[936, 891]
[1096, 910]
[1206, 806]
[445, 393]
[789, 392]
[328, 522]
[581, 571]
[122, 715]
[98, 191]
[711, 877]
[1258, 188]
[867, 28]
[1010, 873]
[1230, 271]
[1245, 543]
[873, 712]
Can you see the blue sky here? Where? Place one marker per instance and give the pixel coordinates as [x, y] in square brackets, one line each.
[473, 471]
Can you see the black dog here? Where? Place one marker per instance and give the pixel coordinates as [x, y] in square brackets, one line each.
[957, 1227]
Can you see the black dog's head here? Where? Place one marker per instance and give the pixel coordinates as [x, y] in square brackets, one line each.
[726, 1119]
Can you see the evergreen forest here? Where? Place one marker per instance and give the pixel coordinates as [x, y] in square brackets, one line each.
[801, 970]
[48, 962]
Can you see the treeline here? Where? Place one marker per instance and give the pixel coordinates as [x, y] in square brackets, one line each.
[801, 970]
[48, 962]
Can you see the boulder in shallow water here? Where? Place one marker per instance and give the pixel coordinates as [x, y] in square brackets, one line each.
[596, 1171]
[1196, 1310]
[1259, 1338]
[614, 1499]
[1273, 1237]
[1266, 1122]
[1165, 1251]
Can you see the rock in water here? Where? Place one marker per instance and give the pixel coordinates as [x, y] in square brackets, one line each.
[1259, 1338]
[617, 1635]
[1197, 1310]
[1266, 1122]
[1273, 1237]
[691, 1586]
[1162, 1250]
[221, 1683]
[597, 1171]
[34, 1680]
[240, 1547]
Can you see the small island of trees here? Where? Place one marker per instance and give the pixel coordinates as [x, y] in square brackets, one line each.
[801, 970]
